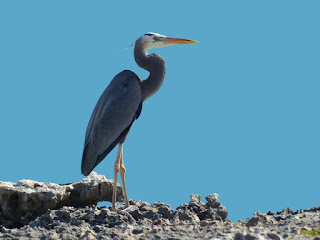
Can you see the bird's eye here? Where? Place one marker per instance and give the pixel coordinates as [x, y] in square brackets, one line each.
[155, 38]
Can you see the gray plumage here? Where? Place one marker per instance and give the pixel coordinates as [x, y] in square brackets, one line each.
[120, 105]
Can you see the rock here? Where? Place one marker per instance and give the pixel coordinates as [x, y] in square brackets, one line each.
[187, 215]
[260, 218]
[137, 231]
[239, 236]
[163, 210]
[23, 201]
[91, 190]
[194, 220]
[197, 210]
[219, 211]
[286, 211]
[140, 210]
[273, 236]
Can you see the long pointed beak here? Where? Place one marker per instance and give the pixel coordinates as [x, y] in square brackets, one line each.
[171, 41]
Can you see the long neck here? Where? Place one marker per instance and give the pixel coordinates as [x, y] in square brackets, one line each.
[155, 65]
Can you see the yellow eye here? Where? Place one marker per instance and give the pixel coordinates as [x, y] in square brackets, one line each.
[155, 38]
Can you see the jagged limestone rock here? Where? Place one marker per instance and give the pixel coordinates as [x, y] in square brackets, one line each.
[197, 210]
[25, 200]
[141, 220]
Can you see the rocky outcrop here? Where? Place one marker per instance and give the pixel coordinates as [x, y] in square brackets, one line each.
[70, 212]
[194, 220]
[25, 200]
[140, 218]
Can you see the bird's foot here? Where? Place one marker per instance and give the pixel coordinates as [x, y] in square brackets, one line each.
[123, 211]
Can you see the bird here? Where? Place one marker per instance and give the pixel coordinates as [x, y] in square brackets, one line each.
[120, 105]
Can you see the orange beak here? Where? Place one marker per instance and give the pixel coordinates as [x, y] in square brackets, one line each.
[170, 40]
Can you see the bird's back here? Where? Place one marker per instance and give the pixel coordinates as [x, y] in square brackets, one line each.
[119, 105]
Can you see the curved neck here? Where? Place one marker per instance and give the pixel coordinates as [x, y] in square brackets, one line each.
[152, 63]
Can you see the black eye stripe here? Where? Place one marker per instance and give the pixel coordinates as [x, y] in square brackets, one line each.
[148, 34]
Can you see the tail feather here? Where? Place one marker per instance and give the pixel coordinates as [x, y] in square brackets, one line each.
[85, 164]
[91, 158]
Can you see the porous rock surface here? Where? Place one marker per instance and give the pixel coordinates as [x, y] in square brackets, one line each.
[195, 220]
[25, 200]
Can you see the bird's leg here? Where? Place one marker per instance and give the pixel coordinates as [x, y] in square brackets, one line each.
[122, 172]
[116, 170]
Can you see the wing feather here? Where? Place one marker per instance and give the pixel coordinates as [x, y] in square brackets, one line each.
[114, 113]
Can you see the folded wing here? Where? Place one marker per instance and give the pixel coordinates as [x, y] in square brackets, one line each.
[118, 107]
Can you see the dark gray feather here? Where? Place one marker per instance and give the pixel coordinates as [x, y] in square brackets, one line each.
[117, 108]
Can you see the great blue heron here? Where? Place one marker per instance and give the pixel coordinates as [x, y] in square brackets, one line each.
[120, 105]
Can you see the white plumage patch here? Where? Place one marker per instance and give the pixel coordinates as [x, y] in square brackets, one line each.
[154, 40]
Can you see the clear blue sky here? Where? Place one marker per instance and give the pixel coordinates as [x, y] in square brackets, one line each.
[238, 113]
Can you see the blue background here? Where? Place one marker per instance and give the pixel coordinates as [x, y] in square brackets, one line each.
[238, 113]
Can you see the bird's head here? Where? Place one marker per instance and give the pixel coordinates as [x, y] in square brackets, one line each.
[155, 40]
